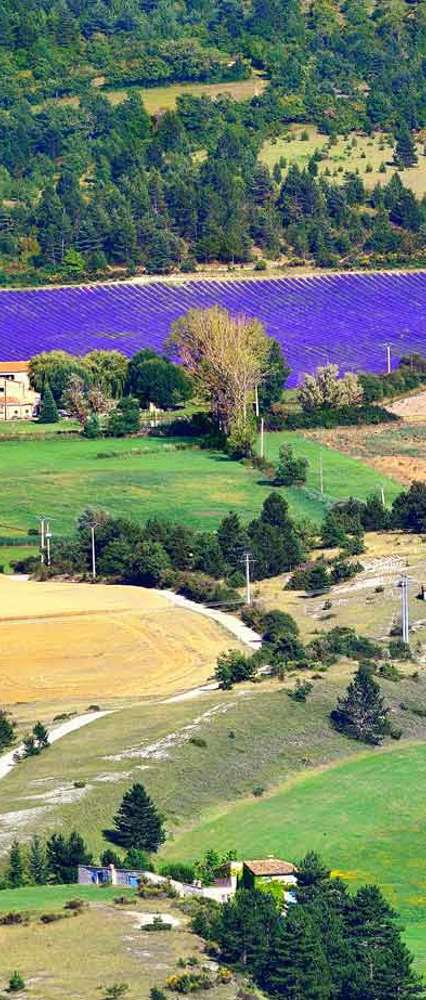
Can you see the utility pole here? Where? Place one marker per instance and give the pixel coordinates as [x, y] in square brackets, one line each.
[256, 401]
[92, 531]
[404, 609]
[42, 538]
[48, 536]
[382, 494]
[262, 438]
[248, 582]
[388, 359]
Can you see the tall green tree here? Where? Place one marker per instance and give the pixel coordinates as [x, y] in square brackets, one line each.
[64, 855]
[16, 866]
[48, 412]
[37, 864]
[361, 714]
[298, 967]
[138, 822]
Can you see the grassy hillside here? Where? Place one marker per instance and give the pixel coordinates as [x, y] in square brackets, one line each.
[135, 477]
[365, 817]
[343, 475]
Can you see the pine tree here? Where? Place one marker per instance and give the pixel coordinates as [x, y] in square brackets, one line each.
[41, 736]
[37, 862]
[64, 855]
[405, 149]
[362, 714]
[232, 539]
[48, 413]
[138, 823]
[16, 872]
[382, 962]
[298, 967]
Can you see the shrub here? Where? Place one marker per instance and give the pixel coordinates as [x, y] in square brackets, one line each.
[399, 650]
[14, 918]
[179, 870]
[198, 741]
[190, 982]
[301, 691]
[232, 668]
[16, 982]
[389, 672]
[77, 905]
[290, 469]
[51, 918]
[158, 924]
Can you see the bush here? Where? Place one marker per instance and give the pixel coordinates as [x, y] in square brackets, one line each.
[189, 982]
[232, 668]
[344, 416]
[179, 870]
[399, 650]
[16, 982]
[198, 741]
[389, 672]
[290, 469]
[301, 691]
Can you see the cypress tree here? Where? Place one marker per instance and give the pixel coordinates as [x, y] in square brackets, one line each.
[298, 968]
[15, 872]
[37, 862]
[138, 824]
[48, 413]
[361, 714]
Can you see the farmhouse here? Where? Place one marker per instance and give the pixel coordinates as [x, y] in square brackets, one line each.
[271, 870]
[17, 399]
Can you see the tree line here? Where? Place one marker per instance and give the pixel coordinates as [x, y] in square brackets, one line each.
[88, 187]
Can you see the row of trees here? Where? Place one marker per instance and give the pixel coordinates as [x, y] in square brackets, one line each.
[328, 944]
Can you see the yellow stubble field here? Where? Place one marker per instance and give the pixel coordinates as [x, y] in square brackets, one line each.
[69, 643]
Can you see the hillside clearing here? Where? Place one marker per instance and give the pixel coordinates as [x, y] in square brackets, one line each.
[353, 153]
[156, 99]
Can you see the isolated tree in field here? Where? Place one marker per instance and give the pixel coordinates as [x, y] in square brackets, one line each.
[48, 412]
[138, 823]
[361, 713]
[290, 469]
[16, 867]
[37, 864]
[326, 389]
[405, 150]
[7, 730]
[227, 356]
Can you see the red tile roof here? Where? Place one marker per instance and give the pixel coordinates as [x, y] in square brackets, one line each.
[271, 866]
[9, 367]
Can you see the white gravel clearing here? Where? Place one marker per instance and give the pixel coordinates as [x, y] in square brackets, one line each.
[160, 749]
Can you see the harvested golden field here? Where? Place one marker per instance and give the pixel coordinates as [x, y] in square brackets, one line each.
[75, 643]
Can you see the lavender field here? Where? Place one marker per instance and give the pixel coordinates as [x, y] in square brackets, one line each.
[344, 318]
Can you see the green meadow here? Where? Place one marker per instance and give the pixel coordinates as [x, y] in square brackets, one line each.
[365, 816]
[138, 477]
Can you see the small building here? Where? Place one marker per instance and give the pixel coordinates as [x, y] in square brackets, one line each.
[270, 870]
[17, 400]
[109, 875]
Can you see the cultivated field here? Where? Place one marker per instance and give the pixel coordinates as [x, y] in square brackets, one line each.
[362, 153]
[73, 644]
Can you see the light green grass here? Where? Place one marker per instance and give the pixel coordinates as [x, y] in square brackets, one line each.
[53, 897]
[10, 553]
[139, 478]
[343, 476]
[365, 817]
[30, 428]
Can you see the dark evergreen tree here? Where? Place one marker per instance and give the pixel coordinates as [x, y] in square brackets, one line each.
[405, 149]
[271, 389]
[246, 929]
[361, 714]
[232, 539]
[16, 868]
[298, 968]
[64, 855]
[382, 962]
[7, 730]
[37, 863]
[138, 823]
[48, 412]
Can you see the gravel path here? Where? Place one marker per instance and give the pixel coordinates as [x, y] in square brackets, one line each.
[231, 624]
[7, 761]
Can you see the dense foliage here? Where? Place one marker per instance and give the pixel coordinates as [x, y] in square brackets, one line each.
[332, 944]
[87, 184]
